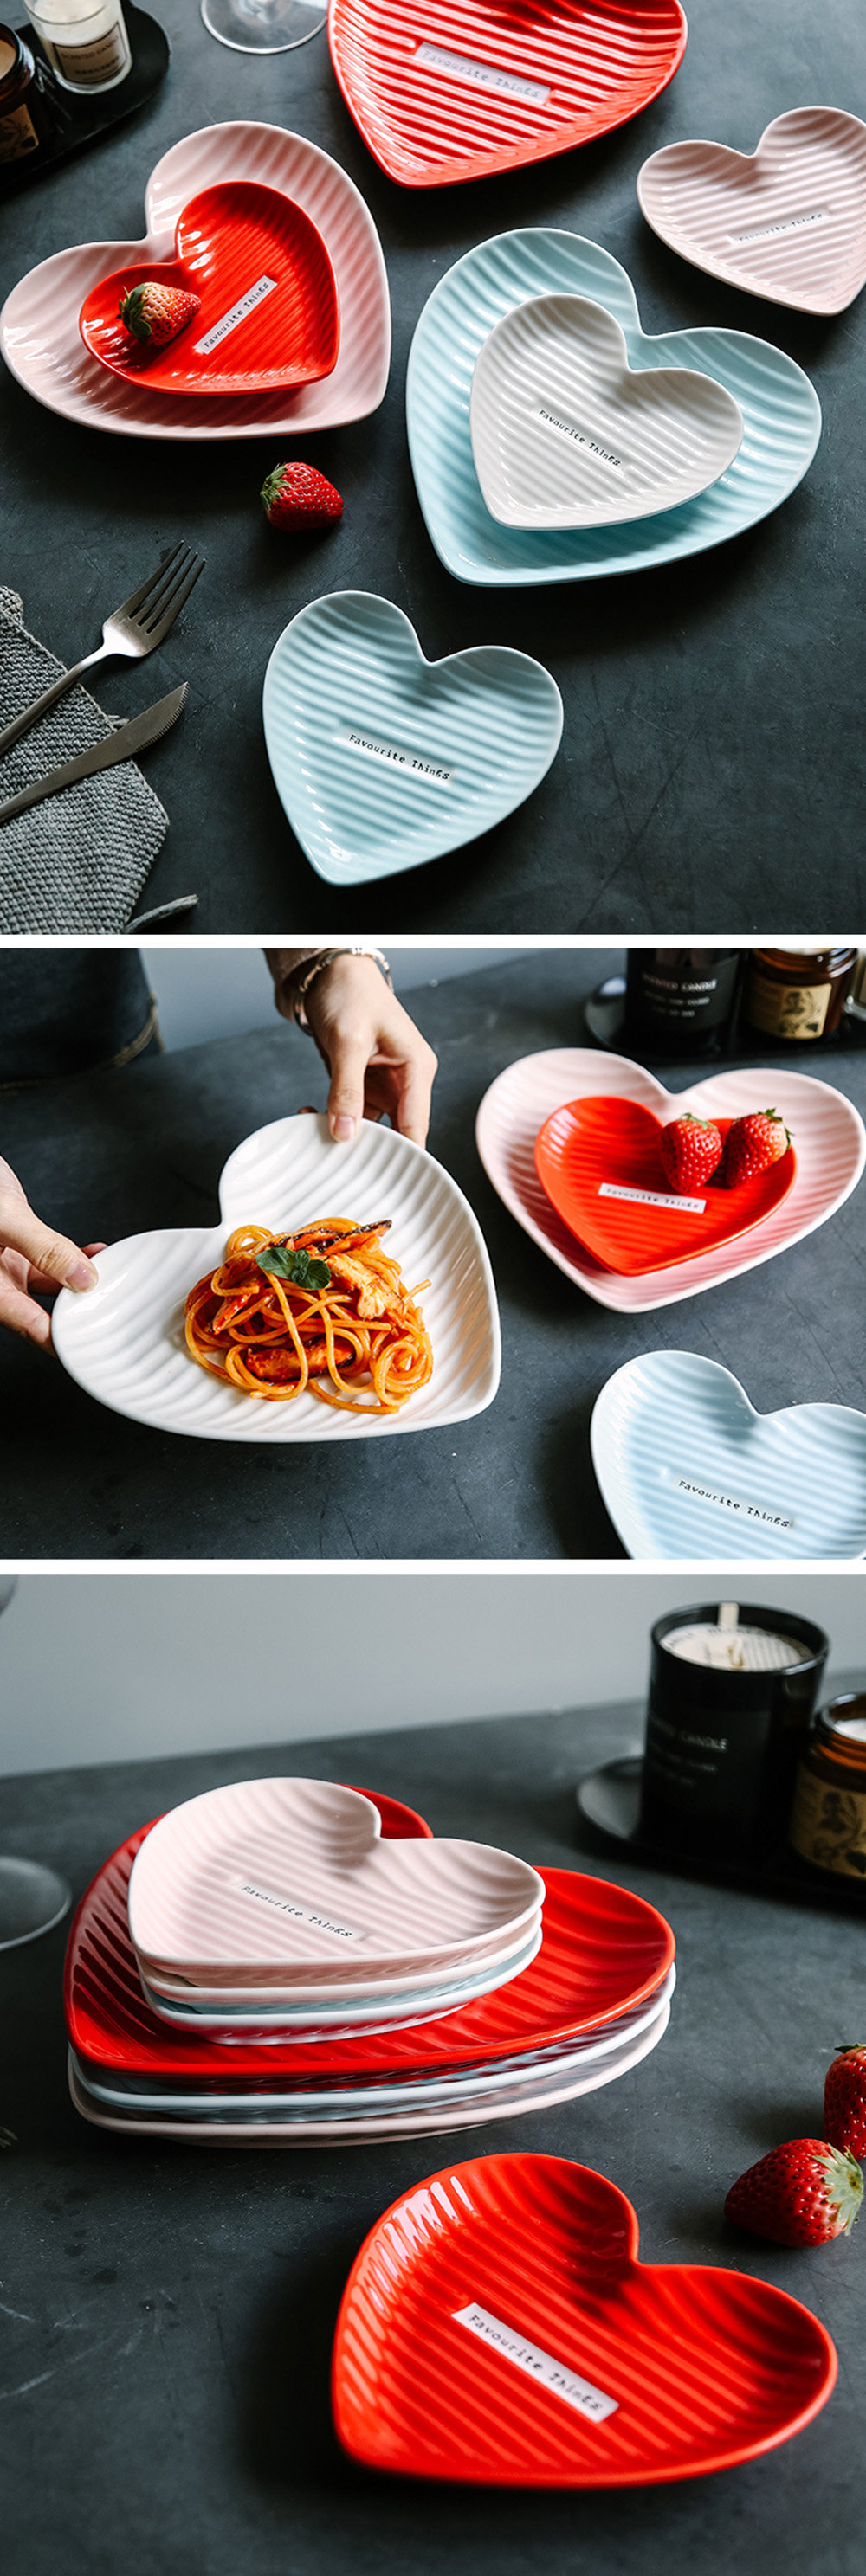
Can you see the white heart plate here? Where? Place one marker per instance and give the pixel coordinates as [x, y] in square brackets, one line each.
[278, 2025]
[565, 434]
[829, 1142]
[787, 221]
[688, 1468]
[42, 344]
[124, 1340]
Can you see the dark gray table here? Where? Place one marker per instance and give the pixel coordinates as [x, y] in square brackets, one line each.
[167, 2312]
[710, 774]
[116, 1153]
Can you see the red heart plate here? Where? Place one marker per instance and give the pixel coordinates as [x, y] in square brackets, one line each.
[598, 1161]
[498, 2328]
[443, 92]
[603, 1952]
[269, 312]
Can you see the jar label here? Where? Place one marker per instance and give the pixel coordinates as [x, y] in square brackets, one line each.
[17, 134]
[91, 66]
[787, 1010]
[828, 1825]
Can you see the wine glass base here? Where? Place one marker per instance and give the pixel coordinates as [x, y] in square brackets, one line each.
[32, 1900]
[263, 26]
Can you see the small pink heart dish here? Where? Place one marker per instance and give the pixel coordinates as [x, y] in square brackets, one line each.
[787, 222]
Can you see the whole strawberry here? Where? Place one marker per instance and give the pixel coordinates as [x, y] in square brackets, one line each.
[751, 1145]
[845, 2101]
[298, 497]
[690, 1150]
[155, 314]
[801, 2194]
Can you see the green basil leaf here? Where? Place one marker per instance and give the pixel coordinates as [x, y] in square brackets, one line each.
[296, 1266]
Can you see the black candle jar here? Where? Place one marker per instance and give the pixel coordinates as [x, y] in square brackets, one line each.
[724, 1737]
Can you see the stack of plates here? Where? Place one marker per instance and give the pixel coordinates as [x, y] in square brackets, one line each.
[492, 2016]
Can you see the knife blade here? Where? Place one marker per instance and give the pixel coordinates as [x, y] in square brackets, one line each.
[122, 745]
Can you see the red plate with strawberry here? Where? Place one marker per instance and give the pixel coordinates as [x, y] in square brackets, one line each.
[642, 1194]
[249, 303]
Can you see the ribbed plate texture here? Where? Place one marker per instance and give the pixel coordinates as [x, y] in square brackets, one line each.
[383, 760]
[830, 1153]
[450, 89]
[604, 1952]
[566, 435]
[42, 344]
[787, 222]
[124, 1341]
[231, 243]
[781, 415]
[669, 2370]
[324, 2022]
[688, 1468]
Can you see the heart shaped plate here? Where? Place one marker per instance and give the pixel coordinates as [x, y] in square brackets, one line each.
[43, 347]
[598, 1161]
[787, 221]
[313, 2020]
[497, 2327]
[269, 313]
[688, 1468]
[830, 1151]
[441, 94]
[779, 406]
[124, 1342]
[383, 760]
[566, 435]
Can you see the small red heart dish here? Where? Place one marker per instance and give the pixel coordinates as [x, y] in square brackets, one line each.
[498, 2328]
[598, 1161]
[269, 311]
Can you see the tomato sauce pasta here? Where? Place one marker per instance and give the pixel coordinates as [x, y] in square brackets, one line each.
[324, 1310]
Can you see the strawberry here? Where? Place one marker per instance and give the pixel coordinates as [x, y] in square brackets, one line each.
[800, 2194]
[845, 2101]
[690, 1149]
[751, 1145]
[156, 313]
[298, 497]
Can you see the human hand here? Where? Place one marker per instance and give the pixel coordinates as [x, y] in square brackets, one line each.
[379, 1064]
[33, 1257]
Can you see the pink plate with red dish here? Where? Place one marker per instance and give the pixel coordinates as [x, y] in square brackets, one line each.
[268, 310]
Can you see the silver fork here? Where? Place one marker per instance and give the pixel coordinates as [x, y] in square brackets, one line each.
[133, 631]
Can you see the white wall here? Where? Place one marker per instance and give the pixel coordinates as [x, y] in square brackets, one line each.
[102, 1667]
[219, 992]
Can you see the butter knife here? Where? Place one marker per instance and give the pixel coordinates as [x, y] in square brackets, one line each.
[121, 745]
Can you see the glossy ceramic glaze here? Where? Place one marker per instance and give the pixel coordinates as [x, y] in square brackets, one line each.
[406, 2007]
[124, 1342]
[454, 89]
[688, 1468]
[780, 409]
[498, 2328]
[237, 246]
[383, 760]
[41, 341]
[786, 222]
[830, 1154]
[592, 1148]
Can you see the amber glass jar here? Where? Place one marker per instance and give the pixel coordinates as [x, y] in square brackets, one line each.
[796, 995]
[828, 1817]
[24, 116]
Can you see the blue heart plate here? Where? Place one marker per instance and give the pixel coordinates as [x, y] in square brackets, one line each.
[383, 760]
[780, 410]
[687, 1468]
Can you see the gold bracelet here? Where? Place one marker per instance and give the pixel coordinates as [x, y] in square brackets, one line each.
[326, 957]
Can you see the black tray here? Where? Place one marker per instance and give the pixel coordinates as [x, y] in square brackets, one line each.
[80, 121]
[609, 1800]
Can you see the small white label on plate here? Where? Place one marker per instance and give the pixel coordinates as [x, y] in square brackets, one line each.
[245, 304]
[413, 762]
[438, 58]
[303, 1913]
[732, 1503]
[538, 2365]
[791, 224]
[579, 437]
[651, 1198]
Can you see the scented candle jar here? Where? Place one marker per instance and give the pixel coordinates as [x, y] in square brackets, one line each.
[828, 1817]
[731, 1696]
[797, 995]
[23, 113]
[679, 1000]
[85, 41]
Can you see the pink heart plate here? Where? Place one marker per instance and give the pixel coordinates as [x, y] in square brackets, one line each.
[42, 344]
[787, 222]
[829, 1149]
[268, 315]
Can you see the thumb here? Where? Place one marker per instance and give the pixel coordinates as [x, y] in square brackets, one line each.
[349, 1058]
[52, 1255]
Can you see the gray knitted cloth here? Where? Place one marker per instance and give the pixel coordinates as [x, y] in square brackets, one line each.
[78, 861]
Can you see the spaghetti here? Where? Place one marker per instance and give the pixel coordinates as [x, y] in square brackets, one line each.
[322, 1310]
